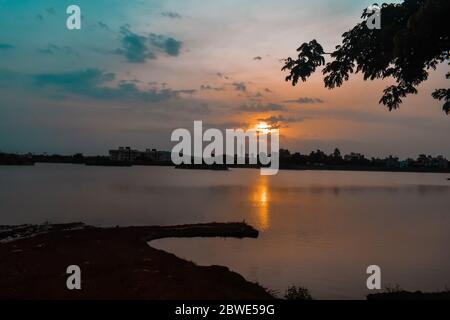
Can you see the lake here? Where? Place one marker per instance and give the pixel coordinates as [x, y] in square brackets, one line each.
[318, 229]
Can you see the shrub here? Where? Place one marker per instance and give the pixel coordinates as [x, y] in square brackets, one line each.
[297, 293]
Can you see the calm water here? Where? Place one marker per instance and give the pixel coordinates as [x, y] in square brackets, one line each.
[318, 229]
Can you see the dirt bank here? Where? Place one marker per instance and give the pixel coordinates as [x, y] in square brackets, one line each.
[116, 263]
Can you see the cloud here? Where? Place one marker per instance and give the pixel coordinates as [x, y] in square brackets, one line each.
[130, 81]
[92, 83]
[6, 46]
[51, 11]
[257, 58]
[256, 95]
[103, 25]
[54, 49]
[172, 15]
[225, 124]
[206, 87]
[277, 122]
[223, 76]
[239, 86]
[10, 78]
[305, 100]
[187, 91]
[134, 47]
[76, 79]
[138, 49]
[169, 45]
[261, 107]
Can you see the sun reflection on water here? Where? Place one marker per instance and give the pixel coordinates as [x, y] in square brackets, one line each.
[260, 198]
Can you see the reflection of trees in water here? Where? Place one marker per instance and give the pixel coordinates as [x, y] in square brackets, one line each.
[421, 189]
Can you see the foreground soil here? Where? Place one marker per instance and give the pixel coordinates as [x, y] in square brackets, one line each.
[407, 295]
[116, 263]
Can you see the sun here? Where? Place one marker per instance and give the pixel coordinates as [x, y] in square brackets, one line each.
[263, 127]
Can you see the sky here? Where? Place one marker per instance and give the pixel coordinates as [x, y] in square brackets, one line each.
[139, 69]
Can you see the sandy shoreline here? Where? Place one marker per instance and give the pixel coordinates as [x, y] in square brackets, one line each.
[116, 263]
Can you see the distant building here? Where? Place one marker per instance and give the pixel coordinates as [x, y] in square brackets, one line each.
[392, 162]
[429, 161]
[424, 161]
[406, 163]
[164, 156]
[130, 155]
[151, 154]
[353, 156]
[440, 162]
[124, 154]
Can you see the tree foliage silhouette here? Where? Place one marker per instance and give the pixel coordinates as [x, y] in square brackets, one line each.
[413, 39]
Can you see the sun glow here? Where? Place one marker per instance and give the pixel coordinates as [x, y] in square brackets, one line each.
[263, 127]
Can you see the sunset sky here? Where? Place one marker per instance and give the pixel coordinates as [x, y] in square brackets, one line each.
[137, 70]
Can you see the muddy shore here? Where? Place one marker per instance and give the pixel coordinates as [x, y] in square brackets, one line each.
[116, 263]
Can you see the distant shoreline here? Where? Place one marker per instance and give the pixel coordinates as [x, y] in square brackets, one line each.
[222, 168]
[316, 160]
